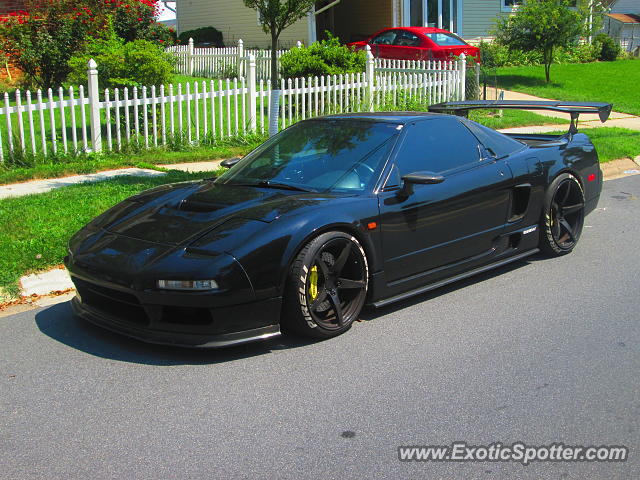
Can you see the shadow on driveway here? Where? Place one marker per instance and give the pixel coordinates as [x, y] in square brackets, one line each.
[59, 323]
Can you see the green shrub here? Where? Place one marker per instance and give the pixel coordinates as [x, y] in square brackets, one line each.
[584, 53]
[41, 43]
[202, 35]
[122, 64]
[609, 48]
[327, 57]
[496, 55]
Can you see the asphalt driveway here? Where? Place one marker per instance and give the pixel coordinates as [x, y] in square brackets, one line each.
[542, 351]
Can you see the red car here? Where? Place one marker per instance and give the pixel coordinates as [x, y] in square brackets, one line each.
[417, 43]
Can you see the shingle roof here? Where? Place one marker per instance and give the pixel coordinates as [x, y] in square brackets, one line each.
[625, 17]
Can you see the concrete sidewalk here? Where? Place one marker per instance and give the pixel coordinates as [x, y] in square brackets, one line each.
[616, 119]
[46, 185]
[40, 186]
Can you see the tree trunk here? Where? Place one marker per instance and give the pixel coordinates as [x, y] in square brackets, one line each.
[548, 58]
[274, 60]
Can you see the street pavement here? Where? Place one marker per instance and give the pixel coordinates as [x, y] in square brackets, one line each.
[542, 351]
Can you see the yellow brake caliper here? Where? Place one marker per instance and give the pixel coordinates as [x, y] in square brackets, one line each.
[313, 282]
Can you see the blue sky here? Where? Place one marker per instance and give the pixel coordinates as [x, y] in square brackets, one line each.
[167, 14]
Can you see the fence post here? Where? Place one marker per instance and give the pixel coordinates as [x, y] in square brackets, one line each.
[463, 77]
[370, 76]
[478, 79]
[94, 106]
[252, 93]
[190, 54]
[240, 58]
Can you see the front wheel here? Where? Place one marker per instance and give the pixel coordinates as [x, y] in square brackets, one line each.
[327, 286]
[563, 215]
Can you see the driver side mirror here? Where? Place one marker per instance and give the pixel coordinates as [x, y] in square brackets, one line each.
[418, 178]
[230, 162]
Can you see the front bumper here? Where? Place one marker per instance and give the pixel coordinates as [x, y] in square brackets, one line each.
[181, 339]
[189, 319]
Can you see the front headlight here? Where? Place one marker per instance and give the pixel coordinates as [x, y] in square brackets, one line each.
[194, 285]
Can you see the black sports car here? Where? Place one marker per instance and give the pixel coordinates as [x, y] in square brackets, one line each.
[329, 215]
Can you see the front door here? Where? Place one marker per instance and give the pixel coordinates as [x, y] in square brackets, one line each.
[436, 226]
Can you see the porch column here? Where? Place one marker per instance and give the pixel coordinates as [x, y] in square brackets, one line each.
[311, 26]
[459, 29]
[394, 12]
[451, 23]
[425, 13]
[439, 13]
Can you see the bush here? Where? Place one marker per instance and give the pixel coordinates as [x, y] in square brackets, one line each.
[136, 20]
[41, 41]
[40, 44]
[327, 57]
[584, 53]
[609, 48]
[202, 35]
[494, 55]
[122, 64]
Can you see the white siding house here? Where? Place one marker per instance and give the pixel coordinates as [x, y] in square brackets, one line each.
[350, 20]
[625, 6]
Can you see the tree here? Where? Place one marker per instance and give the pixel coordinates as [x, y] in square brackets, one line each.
[41, 40]
[275, 16]
[541, 25]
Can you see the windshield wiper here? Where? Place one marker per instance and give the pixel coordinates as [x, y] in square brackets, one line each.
[283, 186]
[270, 184]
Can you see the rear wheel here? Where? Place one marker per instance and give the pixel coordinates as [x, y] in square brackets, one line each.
[563, 215]
[327, 286]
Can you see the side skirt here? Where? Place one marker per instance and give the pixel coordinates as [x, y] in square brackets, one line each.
[446, 281]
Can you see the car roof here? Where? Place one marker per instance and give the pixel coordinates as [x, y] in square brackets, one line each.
[391, 117]
[421, 30]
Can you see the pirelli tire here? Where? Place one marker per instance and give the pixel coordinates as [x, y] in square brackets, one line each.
[562, 216]
[327, 286]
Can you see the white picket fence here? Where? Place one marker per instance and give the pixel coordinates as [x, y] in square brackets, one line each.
[79, 120]
[223, 62]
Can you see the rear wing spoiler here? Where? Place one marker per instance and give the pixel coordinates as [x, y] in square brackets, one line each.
[572, 108]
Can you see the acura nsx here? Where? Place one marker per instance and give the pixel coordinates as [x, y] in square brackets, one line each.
[329, 215]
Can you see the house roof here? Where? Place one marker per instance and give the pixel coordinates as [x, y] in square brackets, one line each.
[625, 17]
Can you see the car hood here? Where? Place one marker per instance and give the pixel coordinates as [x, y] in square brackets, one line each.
[182, 213]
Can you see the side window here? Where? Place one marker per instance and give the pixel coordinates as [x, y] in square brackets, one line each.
[407, 39]
[436, 145]
[385, 38]
[498, 144]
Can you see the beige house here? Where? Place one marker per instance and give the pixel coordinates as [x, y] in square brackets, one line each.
[351, 20]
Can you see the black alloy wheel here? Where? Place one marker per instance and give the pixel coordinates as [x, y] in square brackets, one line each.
[327, 286]
[563, 215]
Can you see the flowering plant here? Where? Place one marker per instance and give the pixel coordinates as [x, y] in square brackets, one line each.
[41, 39]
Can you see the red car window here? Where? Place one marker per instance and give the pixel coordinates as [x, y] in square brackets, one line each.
[407, 39]
[385, 38]
[445, 39]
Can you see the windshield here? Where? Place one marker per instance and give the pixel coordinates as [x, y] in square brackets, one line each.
[445, 39]
[327, 155]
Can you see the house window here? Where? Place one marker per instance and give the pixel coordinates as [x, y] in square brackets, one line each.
[511, 5]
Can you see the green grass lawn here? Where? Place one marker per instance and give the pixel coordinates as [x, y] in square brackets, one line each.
[512, 118]
[64, 166]
[612, 143]
[613, 82]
